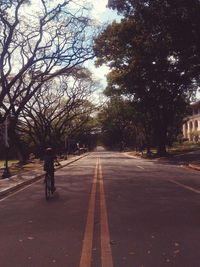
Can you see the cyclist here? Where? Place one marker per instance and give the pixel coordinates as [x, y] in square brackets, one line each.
[49, 160]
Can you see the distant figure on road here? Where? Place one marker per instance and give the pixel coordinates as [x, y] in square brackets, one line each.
[49, 160]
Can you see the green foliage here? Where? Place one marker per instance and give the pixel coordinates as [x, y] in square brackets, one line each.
[85, 131]
[119, 124]
[154, 61]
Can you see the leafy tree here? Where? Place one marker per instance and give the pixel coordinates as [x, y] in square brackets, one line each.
[120, 126]
[175, 23]
[84, 130]
[149, 62]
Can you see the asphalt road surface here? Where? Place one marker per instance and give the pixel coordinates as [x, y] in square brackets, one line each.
[108, 211]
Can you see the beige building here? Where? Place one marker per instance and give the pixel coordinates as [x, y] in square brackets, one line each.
[191, 126]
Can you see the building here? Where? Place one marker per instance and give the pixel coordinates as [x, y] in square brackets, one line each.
[191, 126]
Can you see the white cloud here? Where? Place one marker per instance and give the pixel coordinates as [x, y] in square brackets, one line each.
[101, 13]
[99, 7]
[98, 73]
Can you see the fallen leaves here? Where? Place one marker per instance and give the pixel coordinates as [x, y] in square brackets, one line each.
[30, 237]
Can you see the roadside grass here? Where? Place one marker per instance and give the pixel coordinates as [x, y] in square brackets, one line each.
[10, 162]
[15, 168]
[184, 147]
[175, 149]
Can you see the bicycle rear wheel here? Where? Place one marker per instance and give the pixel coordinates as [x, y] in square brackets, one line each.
[47, 186]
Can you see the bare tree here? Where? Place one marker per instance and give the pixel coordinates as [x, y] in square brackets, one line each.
[39, 40]
[59, 108]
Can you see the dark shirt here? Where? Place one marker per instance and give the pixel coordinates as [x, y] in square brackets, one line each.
[49, 162]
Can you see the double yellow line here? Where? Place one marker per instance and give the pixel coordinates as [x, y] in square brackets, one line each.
[106, 253]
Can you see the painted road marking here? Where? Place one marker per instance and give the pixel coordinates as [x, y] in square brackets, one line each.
[186, 187]
[106, 253]
[140, 167]
[86, 254]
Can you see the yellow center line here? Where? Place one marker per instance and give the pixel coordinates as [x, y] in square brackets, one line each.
[86, 254]
[106, 253]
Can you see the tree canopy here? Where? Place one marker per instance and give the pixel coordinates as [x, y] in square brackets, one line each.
[120, 124]
[37, 43]
[153, 60]
[39, 40]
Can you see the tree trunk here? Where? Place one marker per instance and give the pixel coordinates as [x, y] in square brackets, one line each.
[148, 150]
[161, 149]
[16, 143]
[161, 136]
[161, 144]
[20, 155]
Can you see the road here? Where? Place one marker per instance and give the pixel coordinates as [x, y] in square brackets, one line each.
[109, 210]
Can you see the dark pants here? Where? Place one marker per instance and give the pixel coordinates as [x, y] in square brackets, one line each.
[51, 172]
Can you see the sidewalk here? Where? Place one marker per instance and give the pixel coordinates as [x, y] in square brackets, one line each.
[15, 182]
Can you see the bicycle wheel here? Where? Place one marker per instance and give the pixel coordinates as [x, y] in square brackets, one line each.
[47, 186]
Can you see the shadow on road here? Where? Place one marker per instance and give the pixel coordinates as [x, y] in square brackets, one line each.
[182, 159]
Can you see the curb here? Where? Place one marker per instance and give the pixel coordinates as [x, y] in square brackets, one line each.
[20, 185]
[195, 167]
[72, 161]
[34, 179]
[129, 156]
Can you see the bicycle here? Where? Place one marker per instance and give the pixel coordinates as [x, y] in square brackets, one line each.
[48, 186]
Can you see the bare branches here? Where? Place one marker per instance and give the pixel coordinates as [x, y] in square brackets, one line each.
[50, 114]
[38, 43]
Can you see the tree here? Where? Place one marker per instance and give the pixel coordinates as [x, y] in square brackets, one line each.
[38, 43]
[83, 130]
[176, 23]
[51, 115]
[120, 126]
[148, 62]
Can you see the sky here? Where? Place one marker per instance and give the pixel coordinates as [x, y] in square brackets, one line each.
[103, 15]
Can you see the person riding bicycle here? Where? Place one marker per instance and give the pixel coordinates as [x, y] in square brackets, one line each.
[49, 160]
